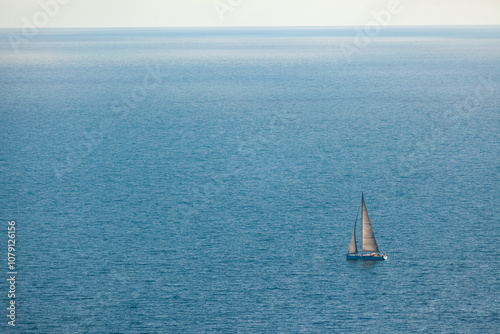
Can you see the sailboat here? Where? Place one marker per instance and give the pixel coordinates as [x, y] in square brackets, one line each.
[369, 247]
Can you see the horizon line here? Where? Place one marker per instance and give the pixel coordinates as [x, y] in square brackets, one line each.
[258, 26]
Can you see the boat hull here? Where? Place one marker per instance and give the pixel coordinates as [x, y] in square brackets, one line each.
[368, 257]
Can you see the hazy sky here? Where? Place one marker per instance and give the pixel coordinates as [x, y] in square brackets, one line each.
[196, 13]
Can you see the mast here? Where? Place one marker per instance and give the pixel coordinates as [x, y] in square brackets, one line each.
[362, 216]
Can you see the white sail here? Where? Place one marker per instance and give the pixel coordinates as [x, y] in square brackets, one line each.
[368, 242]
[353, 248]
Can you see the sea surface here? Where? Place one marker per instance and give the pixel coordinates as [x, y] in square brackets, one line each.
[208, 180]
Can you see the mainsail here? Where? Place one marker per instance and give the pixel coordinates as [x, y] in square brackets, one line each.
[353, 248]
[368, 242]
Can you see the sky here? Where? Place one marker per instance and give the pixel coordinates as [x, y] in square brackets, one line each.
[221, 13]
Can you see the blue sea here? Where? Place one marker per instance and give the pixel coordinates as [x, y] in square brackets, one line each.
[208, 180]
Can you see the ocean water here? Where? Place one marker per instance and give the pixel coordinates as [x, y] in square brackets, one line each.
[207, 181]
